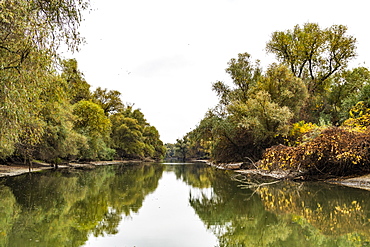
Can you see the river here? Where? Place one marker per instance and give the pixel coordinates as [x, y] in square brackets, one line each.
[177, 205]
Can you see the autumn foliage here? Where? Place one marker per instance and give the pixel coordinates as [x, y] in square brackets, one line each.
[336, 151]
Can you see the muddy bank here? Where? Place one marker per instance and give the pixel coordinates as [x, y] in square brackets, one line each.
[19, 169]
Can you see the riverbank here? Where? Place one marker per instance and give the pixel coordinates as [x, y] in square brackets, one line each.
[19, 168]
[360, 182]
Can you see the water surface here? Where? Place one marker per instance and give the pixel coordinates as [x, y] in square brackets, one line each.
[149, 204]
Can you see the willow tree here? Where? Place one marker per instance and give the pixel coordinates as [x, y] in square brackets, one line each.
[92, 123]
[110, 100]
[244, 73]
[312, 53]
[77, 87]
[31, 32]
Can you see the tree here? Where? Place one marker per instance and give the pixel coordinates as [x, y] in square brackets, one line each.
[108, 100]
[133, 137]
[284, 88]
[60, 140]
[127, 136]
[263, 117]
[182, 148]
[244, 74]
[312, 53]
[78, 88]
[31, 32]
[347, 88]
[153, 145]
[96, 126]
[254, 114]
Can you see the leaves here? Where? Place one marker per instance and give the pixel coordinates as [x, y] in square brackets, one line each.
[133, 137]
[335, 151]
[312, 53]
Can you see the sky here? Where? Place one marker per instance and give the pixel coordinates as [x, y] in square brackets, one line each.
[164, 55]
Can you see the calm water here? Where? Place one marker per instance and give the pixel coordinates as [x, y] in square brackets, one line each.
[146, 205]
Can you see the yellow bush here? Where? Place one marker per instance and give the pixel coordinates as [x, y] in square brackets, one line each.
[334, 151]
[302, 132]
[359, 117]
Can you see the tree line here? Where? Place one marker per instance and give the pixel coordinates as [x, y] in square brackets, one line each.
[307, 109]
[47, 109]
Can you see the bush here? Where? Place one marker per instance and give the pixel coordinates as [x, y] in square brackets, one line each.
[336, 151]
[302, 132]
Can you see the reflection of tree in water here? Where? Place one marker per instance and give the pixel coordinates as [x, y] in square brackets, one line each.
[284, 214]
[331, 209]
[9, 211]
[197, 175]
[63, 208]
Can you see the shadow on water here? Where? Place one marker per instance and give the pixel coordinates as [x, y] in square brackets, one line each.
[64, 208]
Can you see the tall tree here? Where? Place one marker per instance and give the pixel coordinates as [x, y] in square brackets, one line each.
[284, 88]
[78, 88]
[110, 100]
[96, 126]
[31, 31]
[244, 74]
[127, 136]
[312, 53]
[60, 140]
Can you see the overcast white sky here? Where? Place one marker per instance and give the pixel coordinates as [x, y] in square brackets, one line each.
[163, 55]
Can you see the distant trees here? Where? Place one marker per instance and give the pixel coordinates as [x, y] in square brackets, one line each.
[133, 137]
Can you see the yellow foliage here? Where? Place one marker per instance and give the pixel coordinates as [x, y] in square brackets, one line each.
[360, 117]
[335, 151]
[300, 132]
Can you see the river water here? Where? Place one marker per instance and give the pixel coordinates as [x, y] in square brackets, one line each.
[153, 204]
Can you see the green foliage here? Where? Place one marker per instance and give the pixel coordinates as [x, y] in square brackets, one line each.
[312, 53]
[154, 147]
[44, 114]
[30, 33]
[253, 115]
[316, 56]
[224, 140]
[109, 101]
[59, 140]
[266, 119]
[78, 88]
[264, 109]
[127, 136]
[347, 88]
[133, 137]
[96, 126]
[244, 74]
[182, 148]
[284, 88]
